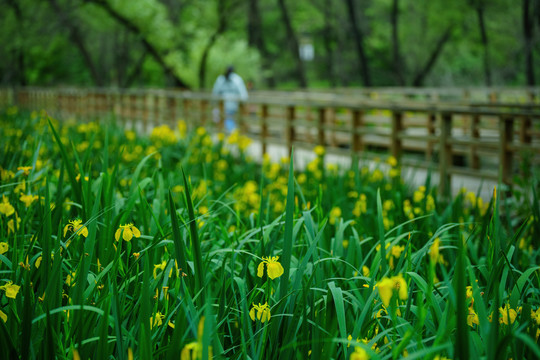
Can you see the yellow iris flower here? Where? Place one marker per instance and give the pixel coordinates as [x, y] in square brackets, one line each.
[5, 207]
[28, 199]
[387, 286]
[319, 150]
[77, 227]
[194, 350]
[472, 317]
[263, 312]
[535, 315]
[434, 251]
[508, 315]
[156, 320]
[359, 354]
[25, 169]
[10, 289]
[127, 232]
[273, 267]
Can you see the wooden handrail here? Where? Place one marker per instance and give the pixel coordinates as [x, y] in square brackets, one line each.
[451, 130]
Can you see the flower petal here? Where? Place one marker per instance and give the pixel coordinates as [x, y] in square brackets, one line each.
[84, 232]
[252, 314]
[260, 270]
[136, 232]
[12, 291]
[128, 235]
[265, 315]
[117, 234]
[274, 270]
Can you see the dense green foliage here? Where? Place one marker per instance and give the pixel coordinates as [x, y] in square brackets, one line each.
[113, 244]
[188, 43]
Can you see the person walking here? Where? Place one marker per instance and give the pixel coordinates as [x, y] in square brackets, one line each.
[231, 88]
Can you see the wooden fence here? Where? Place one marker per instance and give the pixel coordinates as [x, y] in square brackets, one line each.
[485, 139]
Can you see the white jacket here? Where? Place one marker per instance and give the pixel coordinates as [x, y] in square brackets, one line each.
[231, 90]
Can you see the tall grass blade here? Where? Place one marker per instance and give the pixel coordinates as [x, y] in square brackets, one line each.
[380, 227]
[179, 244]
[461, 349]
[146, 319]
[288, 235]
[27, 314]
[337, 294]
[75, 186]
[6, 343]
[197, 256]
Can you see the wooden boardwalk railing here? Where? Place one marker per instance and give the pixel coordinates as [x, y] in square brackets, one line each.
[482, 139]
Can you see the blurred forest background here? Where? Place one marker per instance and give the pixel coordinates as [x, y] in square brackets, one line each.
[273, 43]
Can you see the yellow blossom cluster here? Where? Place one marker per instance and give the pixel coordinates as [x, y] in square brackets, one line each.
[247, 198]
[236, 138]
[387, 287]
[163, 136]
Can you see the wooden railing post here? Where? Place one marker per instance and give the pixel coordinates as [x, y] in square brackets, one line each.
[203, 109]
[110, 101]
[397, 127]
[474, 159]
[290, 127]
[525, 138]
[146, 111]
[79, 105]
[171, 109]
[493, 97]
[240, 118]
[506, 138]
[155, 120]
[465, 118]
[532, 96]
[134, 110]
[264, 127]
[431, 122]
[525, 130]
[321, 139]
[331, 112]
[117, 106]
[221, 122]
[357, 123]
[93, 105]
[445, 154]
[186, 104]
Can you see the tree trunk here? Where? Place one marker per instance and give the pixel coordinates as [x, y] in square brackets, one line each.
[422, 74]
[158, 57]
[20, 76]
[398, 67]
[359, 42]
[483, 34]
[135, 72]
[222, 25]
[528, 35]
[293, 45]
[328, 39]
[256, 40]
[77, 39]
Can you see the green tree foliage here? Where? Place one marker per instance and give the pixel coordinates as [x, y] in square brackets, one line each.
[188, 43]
